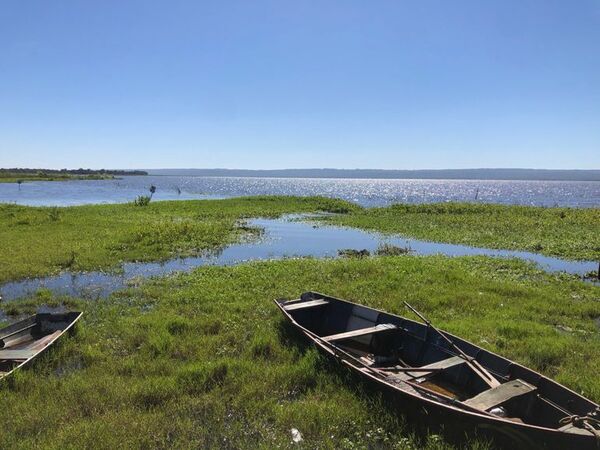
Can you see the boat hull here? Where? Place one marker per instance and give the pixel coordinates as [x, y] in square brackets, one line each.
[454, 422]
[24, 341]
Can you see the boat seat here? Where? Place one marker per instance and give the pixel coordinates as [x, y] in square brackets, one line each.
[303, 305]
[382, 327]
[444, 364]
[18, 331]
[17, 354]
[435, 367]
[500, 394]
[44, 341]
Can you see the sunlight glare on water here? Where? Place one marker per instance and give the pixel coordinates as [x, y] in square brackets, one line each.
[366, 192]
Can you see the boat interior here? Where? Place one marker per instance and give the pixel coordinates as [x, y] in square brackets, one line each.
[414, 357]
[23, 340]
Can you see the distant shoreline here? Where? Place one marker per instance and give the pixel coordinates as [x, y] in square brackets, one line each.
[19, 175]
[441, 174]
[16, 175]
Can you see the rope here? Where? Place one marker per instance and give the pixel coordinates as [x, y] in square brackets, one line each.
[590, 422]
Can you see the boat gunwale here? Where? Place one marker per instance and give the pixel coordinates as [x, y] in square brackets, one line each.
[331, 349]
[51, 342]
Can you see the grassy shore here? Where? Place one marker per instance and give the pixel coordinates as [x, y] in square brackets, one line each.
[205, 359]
[41, 241]
[565, 232]
[16, 178]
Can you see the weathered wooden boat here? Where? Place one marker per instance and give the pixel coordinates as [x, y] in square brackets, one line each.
[22, 341]
[445, 380]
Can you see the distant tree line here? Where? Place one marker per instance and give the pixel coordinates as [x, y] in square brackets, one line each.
[25, 171]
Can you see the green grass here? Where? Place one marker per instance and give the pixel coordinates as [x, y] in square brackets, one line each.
[206, 360]
[565, 232]
[42, 241]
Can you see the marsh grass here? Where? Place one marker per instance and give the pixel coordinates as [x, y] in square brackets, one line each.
[205, 360]
[566, 232]
[142, 200]
[103, 236]
[38, 241]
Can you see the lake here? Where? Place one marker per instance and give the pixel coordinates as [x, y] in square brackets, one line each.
[367, 192]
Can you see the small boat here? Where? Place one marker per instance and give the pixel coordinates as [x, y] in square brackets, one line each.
[22, 341]
[445, 381]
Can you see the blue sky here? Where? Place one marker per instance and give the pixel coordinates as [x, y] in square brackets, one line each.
[278, 84]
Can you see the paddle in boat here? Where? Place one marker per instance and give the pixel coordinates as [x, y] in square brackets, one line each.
[22, 341]
[446, 380]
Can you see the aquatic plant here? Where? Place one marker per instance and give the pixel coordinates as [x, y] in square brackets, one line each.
[387, 249]
[142, 200]
[593, 274]
[353, 253]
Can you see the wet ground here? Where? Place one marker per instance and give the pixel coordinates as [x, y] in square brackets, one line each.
[285, 237]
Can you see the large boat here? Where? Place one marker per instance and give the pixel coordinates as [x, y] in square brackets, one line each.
[23, 341]
[447, 380]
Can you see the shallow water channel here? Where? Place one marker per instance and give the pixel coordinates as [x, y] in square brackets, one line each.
[284, 237]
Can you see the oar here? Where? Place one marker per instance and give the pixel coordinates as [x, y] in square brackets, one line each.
[473, 364]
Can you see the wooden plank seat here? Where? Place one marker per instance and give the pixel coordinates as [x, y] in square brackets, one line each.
[444, 364]
[303, 305]
[382, 327]
[500, 394]
[17, 354]
[17, 331]
[436, 367]
[44, 341]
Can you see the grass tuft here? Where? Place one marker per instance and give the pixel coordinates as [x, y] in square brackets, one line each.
[142, 200]
[203, 376]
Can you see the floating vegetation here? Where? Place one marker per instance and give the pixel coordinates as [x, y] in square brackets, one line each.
[387, 249]
[353, 253]
[592, 275]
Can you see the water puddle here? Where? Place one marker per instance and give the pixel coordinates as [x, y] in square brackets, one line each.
[285, 237]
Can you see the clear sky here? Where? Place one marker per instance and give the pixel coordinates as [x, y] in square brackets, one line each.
[293, 84]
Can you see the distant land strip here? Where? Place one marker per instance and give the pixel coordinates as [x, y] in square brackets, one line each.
[437, 174]
[49, 172]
